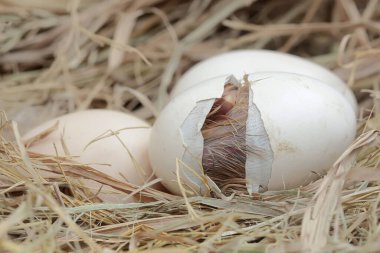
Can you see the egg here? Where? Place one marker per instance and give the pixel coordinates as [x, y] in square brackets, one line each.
[267, 131]
[241, 62]
[107, 155]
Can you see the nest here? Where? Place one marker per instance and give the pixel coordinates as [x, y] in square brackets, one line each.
[61, 56]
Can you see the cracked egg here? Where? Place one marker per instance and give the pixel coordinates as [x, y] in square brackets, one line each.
[267, 131]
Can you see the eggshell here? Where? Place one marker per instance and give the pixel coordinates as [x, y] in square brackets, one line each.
[307, 123]
[106, 155]
[242, 62]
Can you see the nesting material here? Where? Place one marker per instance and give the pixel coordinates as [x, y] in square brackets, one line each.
[58, 57]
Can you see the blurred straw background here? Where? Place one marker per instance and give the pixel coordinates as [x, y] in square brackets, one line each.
[61, 56]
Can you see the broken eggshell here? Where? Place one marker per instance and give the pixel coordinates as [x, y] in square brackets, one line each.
[240, 62]
[296, 127]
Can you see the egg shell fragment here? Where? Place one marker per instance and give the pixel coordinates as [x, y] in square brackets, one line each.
[107, 155]
[308, 125]
[240, 62]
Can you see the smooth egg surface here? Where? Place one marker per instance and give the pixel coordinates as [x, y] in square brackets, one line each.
[123, 154]
[240, 62]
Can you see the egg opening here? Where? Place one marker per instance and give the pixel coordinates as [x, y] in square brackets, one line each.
[224, 131]
[236, 152]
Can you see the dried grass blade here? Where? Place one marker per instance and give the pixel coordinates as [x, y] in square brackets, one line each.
[122, 34]
[317, 218]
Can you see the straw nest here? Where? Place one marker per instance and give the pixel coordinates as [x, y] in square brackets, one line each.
[61, 56]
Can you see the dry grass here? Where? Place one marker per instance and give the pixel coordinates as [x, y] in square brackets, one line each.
[61, 56]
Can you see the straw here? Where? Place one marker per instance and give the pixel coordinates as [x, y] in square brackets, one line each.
[58, 57]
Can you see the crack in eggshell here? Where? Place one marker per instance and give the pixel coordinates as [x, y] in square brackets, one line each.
[193, 142]
[224, 132]
[256, 152]
[258, 163]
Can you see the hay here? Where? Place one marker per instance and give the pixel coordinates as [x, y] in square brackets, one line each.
[61, 56]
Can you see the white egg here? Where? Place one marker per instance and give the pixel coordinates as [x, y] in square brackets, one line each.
[123, 156]
[242, 62]
[294, 128]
